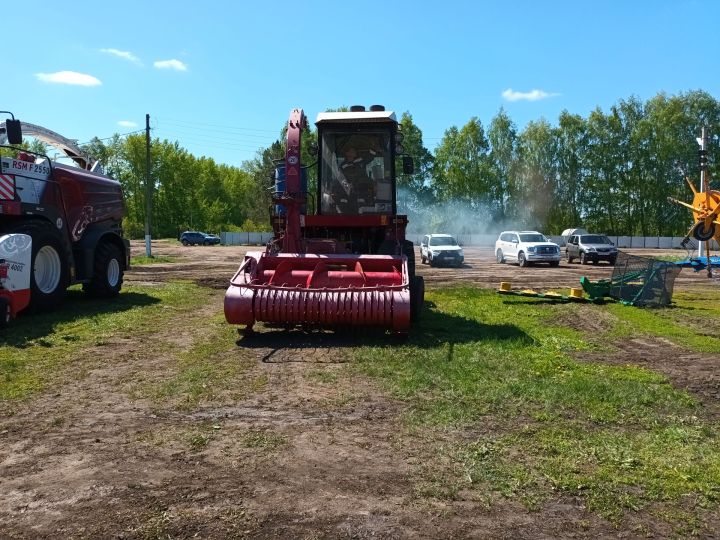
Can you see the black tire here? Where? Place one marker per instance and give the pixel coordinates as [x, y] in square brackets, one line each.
[409, 251]
[701, 234]
[108, 271]
[554, 263]
[4, 312]
[522, 261]
[185, 243]
[423, 260]
[49, 275]
[417, 297]
[583, 258]
[570, 259]
[499, 257]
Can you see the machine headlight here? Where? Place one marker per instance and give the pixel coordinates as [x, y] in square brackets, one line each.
[590, 249]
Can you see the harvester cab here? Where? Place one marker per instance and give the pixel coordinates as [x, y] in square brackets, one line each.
[348, 262]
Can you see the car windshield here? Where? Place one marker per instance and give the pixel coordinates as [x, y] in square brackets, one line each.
[595, 239]
[532, 238]
[442, 241]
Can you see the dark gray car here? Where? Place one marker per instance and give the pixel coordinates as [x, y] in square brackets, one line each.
[590, 247]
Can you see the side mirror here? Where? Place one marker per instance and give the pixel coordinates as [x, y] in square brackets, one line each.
[14, 131]
[408, 165]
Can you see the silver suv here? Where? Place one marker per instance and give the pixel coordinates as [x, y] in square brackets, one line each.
[590, 247]
[526, 247]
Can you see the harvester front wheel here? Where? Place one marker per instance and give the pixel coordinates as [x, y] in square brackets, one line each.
[50, 275]
[4, 312]
[417, 297]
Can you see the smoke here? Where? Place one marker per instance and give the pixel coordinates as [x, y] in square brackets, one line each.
[456, 217]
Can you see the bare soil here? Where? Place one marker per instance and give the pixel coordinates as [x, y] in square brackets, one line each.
[297, 447]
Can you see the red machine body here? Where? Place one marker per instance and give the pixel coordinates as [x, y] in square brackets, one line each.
[73, 214]
[347, 264]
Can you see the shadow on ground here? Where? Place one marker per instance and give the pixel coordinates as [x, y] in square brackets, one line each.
[77, 306]
[434, 328]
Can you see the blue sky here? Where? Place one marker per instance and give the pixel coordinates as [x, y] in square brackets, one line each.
[221, 77]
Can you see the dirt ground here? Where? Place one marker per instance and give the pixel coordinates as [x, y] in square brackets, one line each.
[282, 456]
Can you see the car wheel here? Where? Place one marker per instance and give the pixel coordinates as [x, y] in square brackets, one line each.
[583, 258]
[206, 243]
[554, 263]
[431, 262]
[423, 260]
[499, 257]
[108, 268]
[522, 261]
[570, 259]
[185, 242]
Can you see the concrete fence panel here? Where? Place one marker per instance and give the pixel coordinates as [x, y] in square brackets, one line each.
[624, 241]
[652, 242]
[637, 241]
[665, 242]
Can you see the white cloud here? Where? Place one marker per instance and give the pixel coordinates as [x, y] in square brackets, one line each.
[69, 77]
[533, 95]
[127, 55]
[177, 65]
[127, 123]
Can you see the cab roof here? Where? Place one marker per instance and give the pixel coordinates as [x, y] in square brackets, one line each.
[349, 117]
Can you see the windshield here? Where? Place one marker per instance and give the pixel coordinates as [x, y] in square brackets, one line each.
[356, 172]
[595, 239]
[442, 241]
[532, 238]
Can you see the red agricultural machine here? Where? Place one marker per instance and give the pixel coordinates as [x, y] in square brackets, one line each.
[347, 263]
[59, 224]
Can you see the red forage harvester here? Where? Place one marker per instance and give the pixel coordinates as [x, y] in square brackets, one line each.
[347, 263]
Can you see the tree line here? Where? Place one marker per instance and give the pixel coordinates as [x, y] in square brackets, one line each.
[611, 172]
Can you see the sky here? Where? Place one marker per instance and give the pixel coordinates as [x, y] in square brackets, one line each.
[221, 77]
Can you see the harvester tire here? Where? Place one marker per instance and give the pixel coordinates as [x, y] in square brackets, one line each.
[49, 276]
[4, 312]
[108, 269]
[700, 233]
[409, 252]
[417, 297]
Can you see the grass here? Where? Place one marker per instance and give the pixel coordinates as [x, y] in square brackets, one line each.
[155, 259]
[620, 437]
[35, 347]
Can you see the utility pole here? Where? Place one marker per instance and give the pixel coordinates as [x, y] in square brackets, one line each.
[148, 190]
[702, 153]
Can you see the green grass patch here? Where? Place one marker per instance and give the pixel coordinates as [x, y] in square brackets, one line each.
[691, 323]
[155, 259]
[621, 437]
[34, 347]
[205, 368]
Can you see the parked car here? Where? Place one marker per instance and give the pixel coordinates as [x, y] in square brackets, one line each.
[590, 247]
[567, 233]
[526, 247]
[437, 249]
[192, 238]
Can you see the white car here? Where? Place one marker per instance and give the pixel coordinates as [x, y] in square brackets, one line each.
[437, 249]
[526, 247]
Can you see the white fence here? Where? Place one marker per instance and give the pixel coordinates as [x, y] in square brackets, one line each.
[481, 240]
